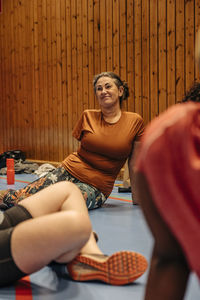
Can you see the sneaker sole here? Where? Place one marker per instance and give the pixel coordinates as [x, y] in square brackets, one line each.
[119, 269]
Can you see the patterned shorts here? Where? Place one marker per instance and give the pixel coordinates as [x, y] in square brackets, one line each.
[93, 197]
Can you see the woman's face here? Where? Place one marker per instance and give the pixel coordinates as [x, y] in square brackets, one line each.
[107, 92]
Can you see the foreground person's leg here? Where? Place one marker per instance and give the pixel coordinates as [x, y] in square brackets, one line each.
[169, 270]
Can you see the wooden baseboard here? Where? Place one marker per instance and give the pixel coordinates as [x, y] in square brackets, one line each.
[41, 162]
[56, 164]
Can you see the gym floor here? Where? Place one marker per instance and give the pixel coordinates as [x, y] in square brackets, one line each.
[120, 226]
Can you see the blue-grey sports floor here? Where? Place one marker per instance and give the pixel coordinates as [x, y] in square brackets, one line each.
[120, 226]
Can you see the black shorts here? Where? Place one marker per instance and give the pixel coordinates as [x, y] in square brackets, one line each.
[9, 272]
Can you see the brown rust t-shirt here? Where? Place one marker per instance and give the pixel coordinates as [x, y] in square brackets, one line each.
[104, 148]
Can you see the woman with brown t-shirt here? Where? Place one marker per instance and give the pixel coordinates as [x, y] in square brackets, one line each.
[107, 137]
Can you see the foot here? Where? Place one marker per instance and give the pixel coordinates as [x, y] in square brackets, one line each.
[118, 269]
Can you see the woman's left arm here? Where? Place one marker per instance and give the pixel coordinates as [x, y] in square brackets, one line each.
[131, 167]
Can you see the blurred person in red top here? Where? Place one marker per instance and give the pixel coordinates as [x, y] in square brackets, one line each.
[168, 189]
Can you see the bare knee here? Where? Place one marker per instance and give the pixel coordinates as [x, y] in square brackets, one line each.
[173, 253]
[171, 261]
[81, 227]
[70, 187]
[84, 225]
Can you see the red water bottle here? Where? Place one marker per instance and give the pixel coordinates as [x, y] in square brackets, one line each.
[10, 170]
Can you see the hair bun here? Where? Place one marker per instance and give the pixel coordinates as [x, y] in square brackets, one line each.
[126, 90]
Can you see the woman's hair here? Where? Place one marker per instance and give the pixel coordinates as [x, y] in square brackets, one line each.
[117, 81]
[193, 94]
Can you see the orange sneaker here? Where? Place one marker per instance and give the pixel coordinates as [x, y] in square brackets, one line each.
[118, 269]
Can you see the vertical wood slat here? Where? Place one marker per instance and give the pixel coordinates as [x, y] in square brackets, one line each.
[54, 42]
[79, 59]
[171, 52]
[130, 70]
[69, 74]
[145, 60]
[31, 76]
[103, 39]
[74, 65]
[85, 98]
[109, 35]
[90, 52]
[122, 42]
[36, 82]
[64, 78]
[115, 39]
[7, 86]
[10, 95]
[49, 101]
[23, 100]
[3, 80]
[51, 49]
[162, 56]
[1, 92]
[189, 43]
[41, 117]
[28, 85]
[59, 148]
[197, 26]
[97, 29]
[45, 77]
[6, 80]
[138, 56]
[180, 55]
[153, 60]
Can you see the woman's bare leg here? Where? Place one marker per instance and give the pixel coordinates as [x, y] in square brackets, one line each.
[59, 229]
[169, 270]
[50, 204]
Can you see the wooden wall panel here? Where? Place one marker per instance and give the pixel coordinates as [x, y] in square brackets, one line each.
[51, 49]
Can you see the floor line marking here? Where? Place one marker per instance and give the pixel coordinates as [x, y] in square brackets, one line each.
[119, 199]
[23, 290]
[17, 180]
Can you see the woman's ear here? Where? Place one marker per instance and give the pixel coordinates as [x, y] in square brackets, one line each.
[121, 90]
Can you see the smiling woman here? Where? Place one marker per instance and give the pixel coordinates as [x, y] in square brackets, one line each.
[111, 80]
[108, 95]
[107, 137]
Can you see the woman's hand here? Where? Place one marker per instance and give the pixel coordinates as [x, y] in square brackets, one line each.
[131, 166]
